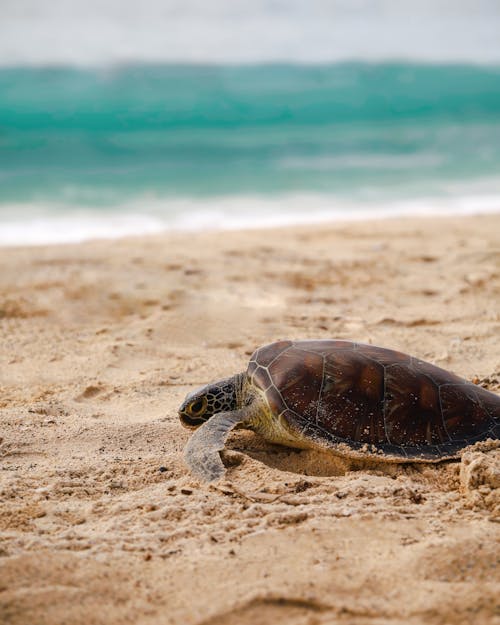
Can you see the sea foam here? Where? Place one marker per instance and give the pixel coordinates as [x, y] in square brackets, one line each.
[61, 226]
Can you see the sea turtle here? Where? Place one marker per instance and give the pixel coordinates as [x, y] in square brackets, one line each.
[357, 400]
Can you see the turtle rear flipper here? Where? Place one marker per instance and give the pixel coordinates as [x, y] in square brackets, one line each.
[202, 451]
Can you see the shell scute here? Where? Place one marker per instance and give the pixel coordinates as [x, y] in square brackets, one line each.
[411, 415]
[429, 395]
[488, 402]
[371, 381]
[352, 396]
[252, 366]
[298, 377]
[463, 413]
[347, 369]
[275, 400]
[261, 378]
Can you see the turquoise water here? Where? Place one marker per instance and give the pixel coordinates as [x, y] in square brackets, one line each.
[141, 148]
[100, 138]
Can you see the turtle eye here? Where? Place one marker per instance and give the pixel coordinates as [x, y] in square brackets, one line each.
[198, 407]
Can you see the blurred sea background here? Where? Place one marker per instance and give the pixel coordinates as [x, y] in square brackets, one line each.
[128, 117]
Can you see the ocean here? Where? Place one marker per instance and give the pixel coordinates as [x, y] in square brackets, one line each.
[140, 143]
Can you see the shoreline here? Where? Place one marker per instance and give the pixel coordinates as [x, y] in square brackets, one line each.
[213, 215]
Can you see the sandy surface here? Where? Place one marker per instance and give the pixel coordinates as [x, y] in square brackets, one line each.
[100, 521]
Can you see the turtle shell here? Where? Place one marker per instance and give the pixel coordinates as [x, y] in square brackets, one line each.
[373, 399]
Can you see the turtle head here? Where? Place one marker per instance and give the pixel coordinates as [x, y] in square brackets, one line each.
[203, 403]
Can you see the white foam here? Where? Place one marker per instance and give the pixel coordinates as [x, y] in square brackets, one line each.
[74, 228]
[216, 214]
[83, 32]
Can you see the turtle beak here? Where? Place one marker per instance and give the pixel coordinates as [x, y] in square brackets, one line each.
[191, 423]
[188, 421]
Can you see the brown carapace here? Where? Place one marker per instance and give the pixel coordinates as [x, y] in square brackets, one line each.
[357, 400]
[358, 394]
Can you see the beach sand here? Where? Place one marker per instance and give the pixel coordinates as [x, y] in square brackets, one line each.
[100, 521]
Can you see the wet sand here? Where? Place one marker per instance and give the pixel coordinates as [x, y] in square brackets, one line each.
[100, 521]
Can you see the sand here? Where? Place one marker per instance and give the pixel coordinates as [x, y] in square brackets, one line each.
[100, 521]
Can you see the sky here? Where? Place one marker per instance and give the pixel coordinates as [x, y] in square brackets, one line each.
[104, 32]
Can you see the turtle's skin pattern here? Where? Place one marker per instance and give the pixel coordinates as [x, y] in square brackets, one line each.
[372, 399]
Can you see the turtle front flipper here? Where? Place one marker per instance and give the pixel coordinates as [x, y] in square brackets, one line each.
[202, 451]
